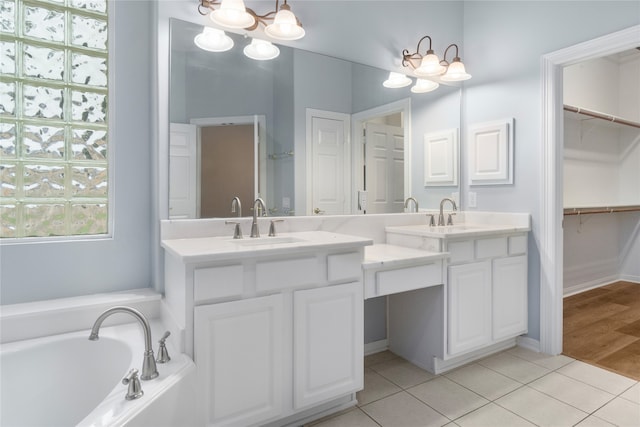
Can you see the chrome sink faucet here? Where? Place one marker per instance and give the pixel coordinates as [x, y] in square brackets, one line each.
[236, 206]
[409, 199]
[257, 204]
[441, 216]
[149, 370]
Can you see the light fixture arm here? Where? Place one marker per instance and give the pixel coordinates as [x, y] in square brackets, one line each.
[444, 57]
[408, 58]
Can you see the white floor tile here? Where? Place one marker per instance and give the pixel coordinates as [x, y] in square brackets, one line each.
[593, 421]
[600, 378]
[484, 381]
[620, 412]
[353, 418]
[540, 409]
[542, 359]
[492, 415]
[402, 373]
[447, 397]
[633, 394]
[403, 410]
[375, 387]
[573, 392]
[514, 367]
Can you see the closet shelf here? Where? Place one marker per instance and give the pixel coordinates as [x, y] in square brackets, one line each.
[601, 209]
[602, 116]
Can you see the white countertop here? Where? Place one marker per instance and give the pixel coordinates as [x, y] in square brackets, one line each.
[457, 230]
[392, 256]
[204, 249]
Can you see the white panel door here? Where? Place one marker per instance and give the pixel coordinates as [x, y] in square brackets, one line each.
[469, 306]
[239, 357]
[509, 297]
[182, 171]
[384, 166]
[330, 163]
[328, 343]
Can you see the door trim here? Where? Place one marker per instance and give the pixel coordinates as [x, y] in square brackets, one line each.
[551, 194]
[357, 120]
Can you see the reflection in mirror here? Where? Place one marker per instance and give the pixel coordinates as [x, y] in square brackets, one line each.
[279, 108]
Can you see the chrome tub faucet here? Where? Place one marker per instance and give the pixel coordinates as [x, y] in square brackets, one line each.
[149, 370]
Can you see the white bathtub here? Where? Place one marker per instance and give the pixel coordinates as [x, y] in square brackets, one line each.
[66, 380]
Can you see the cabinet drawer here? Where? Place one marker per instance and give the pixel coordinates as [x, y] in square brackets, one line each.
[217, 282]
[460, 251]
[488, 248]
[517, 245]
[344, 267]
[407, 279]
[282, 274]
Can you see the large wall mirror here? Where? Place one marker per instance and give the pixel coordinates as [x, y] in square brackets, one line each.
[309, 133]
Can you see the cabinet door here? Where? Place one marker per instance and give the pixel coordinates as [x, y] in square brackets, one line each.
[328, 343]
[469, 306]
[239, 357]
[509, 297]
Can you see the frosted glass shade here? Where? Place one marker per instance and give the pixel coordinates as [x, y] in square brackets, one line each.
[430, 66]
[232, 14]
[285, 26]
[261, 50]
[456, 72]
[424, 85]
[396, 80]
[213, 40]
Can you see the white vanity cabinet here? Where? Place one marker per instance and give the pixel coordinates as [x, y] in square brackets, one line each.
[482, 307]
[487, 291]
[239, 350]
[277, 335]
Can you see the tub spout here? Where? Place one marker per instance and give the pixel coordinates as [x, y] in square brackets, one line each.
[149, 370]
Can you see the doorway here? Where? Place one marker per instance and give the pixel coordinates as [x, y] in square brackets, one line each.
[551, 220]
[382, 157]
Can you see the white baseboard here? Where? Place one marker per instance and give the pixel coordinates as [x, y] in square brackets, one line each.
[375, 347]
[528, 343]
[630, 278]
[583, 287]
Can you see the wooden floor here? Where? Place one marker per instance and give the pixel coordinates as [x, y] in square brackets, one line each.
[602, 327]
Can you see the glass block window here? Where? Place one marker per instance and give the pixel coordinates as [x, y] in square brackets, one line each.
[54, 175]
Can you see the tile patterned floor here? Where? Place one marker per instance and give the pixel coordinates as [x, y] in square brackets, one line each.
[514, 388]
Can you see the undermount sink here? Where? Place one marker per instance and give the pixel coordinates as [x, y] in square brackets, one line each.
[260, 241]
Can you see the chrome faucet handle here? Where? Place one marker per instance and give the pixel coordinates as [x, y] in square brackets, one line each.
[272, 227]
[134, 391]
[163, 354]
[237, 232]
[432, 220]
[450, 218]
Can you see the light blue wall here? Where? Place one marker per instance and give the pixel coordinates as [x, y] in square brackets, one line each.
[41, 271]
[503, 44]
